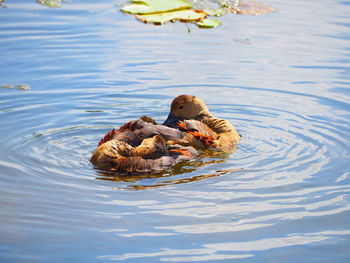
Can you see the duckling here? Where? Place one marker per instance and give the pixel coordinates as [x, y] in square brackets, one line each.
[191, 115]
[140, 146]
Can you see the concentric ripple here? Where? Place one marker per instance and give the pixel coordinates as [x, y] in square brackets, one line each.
[269, 182]
[282, 196]
[278, 148]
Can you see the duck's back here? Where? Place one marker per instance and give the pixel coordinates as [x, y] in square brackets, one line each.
[140, 147]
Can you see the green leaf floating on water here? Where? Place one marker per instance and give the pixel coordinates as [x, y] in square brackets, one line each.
[155, 6]
[163, 11]
[208, 23]
[182, 15]
[50, 3]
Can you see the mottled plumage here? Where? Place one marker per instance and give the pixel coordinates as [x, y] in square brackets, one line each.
[141, 146]
[191, 114]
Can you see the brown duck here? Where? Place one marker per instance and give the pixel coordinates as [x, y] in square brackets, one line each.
[191, 115]
[143, 146]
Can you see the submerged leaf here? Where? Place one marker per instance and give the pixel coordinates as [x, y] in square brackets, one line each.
[182, 15]
[23, 87]
[155, 6]
[217, 12]
[18, 86]
[6, 86]
[208, 23]
[253, 8]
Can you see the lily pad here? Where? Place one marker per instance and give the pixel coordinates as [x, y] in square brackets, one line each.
[50, 3]
[163, 11]
[182, 15]
[208, 23]
[155, 6]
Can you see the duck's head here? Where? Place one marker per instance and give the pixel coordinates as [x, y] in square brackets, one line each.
[186, 107]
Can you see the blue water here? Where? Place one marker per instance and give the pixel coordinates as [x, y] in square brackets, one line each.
[283, 79]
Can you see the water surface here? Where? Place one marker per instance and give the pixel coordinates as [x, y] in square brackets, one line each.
[282, 79]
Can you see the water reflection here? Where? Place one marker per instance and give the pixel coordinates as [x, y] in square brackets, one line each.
[181, 169]
[233, 250]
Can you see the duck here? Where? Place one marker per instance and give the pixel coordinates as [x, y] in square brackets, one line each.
[191, 115]
[142, 146]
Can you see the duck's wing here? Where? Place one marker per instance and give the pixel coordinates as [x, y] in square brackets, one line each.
[140, 130]
[118, 156]
[108, 154]
[221, 126]
[182, 153]
[175, 155]
[132, 132]
[107, 137]
[151, 148]
[140, 147]
[228, 137]
[168, 133]
[201, 135]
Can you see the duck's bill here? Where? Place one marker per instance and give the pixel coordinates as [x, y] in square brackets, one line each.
[171, 121]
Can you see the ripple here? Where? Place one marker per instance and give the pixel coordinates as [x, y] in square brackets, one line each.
[279, 147]
[285, 190]
[232, 250]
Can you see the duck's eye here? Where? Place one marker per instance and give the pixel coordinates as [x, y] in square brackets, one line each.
[181, 107]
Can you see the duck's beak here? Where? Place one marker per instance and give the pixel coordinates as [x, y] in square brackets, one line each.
[171, 121]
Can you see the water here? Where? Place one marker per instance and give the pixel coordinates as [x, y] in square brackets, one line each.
[282, 79]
